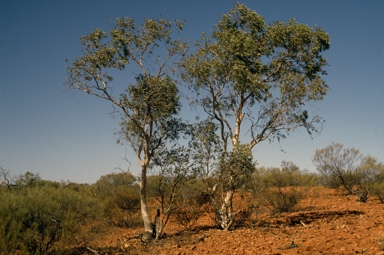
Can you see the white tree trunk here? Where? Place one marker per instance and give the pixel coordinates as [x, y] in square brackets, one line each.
[143, 202]
[226, 211]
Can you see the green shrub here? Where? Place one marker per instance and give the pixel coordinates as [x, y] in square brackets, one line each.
[283, 199]
[280, 188]
[120, 208]
[377, 189]
[33, 219]
[127, 198]
[120, 198]
[287, 176]
[188, 199]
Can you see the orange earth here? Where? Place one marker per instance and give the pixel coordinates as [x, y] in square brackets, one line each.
[327, 222]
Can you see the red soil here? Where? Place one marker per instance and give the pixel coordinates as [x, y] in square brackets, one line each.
[327, 222]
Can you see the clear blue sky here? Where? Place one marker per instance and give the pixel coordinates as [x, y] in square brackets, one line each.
[65, 135]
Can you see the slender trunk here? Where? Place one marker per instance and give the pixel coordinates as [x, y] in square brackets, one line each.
[238, 119]
[226, 211]
[158, 224]
[143, 200]
[161, 221]
[235, 138]
[345, 183]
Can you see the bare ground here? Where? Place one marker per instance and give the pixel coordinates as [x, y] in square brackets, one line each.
[327, 222]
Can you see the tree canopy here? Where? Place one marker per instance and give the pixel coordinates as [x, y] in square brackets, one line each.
[265, 75]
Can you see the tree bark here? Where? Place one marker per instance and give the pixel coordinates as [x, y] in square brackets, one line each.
[158, 224]
[143, 201]
[226, 214]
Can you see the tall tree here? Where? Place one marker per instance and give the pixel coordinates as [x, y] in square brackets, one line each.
[148, 121]
[258, 77]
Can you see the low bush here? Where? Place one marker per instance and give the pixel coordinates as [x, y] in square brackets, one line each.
[280, 188]
[120, 198]
[283, 199]
[122, 207]
[188, 213]
[377, 189]
[287, 176]
[190, 200]
[33, 219]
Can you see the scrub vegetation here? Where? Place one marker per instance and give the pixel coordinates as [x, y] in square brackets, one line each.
[44, 217]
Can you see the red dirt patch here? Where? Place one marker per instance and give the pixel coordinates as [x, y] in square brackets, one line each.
[327, 223]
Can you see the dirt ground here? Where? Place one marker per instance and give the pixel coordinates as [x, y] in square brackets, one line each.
[327, 222]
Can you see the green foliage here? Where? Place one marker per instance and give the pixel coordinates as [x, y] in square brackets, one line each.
[235, 168]
[194, 189]
[152, 120]
[150, 49]
[206, 147]
[28, 180]
[172, 169]
[281, 188]
[120, 196]
[122, 207]
[283, 199]
[261, 76]
[287, 176]
[127, 198]
[191, 198]
[377, 189]
[33, 219]
[231, 174]
[107, 184]
[375, 182]
[146, 97]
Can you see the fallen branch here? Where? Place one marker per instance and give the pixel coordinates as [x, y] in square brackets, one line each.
[139, 236]
[92, 250]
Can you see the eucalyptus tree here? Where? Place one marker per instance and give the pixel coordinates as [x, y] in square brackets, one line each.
[259, 78]
[148, 54]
